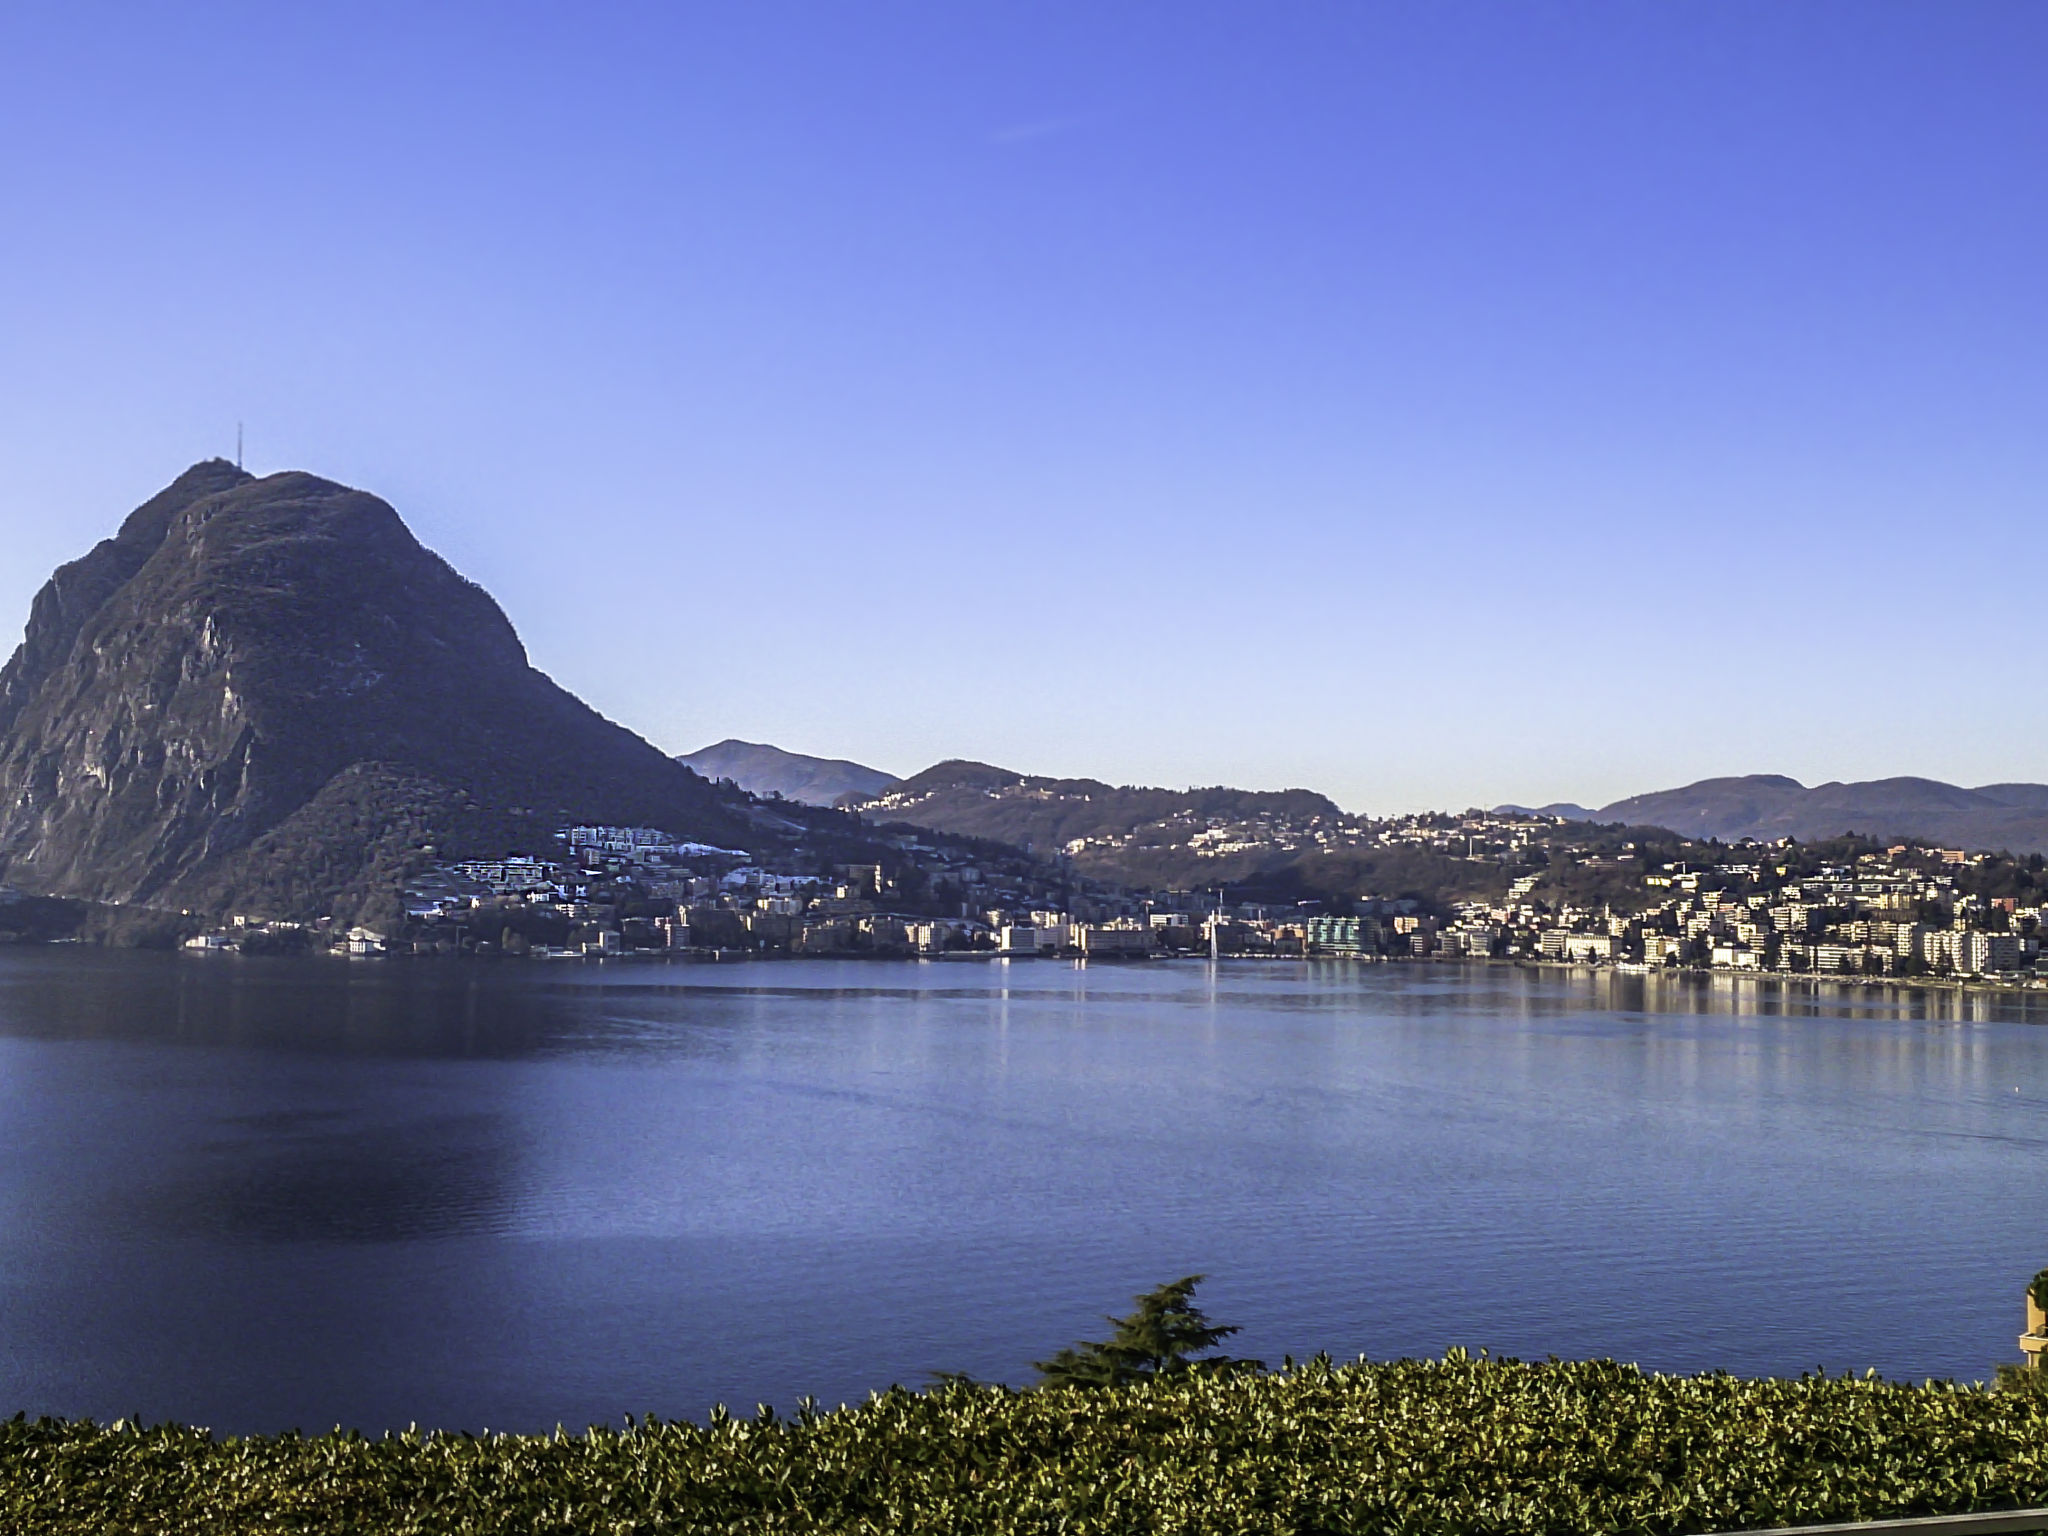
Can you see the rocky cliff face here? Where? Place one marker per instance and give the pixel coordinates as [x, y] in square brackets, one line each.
[266, 696]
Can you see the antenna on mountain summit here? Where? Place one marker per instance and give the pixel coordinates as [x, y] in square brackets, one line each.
[238, 445]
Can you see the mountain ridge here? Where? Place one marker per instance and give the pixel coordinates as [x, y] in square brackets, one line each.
[2009, 817]
[762, 769]
[978, 799]
[1088, 806]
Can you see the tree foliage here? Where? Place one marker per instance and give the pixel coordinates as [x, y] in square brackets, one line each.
[1161, 1338]
[1456, 1447]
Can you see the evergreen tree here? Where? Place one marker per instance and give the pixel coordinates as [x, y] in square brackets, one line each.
[1158, 1339]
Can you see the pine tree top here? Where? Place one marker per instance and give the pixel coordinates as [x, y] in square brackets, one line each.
[1161, 1338]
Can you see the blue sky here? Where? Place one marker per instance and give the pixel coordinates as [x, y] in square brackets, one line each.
[1430, 404]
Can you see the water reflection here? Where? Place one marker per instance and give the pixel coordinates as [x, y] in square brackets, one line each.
[468, 1009]
[328, 1176]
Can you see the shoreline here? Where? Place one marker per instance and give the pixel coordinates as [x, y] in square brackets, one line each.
[1945, 985]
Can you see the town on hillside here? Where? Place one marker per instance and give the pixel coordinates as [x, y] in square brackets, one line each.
[1492, 886]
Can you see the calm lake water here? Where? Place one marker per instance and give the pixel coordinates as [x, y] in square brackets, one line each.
[262, 1194]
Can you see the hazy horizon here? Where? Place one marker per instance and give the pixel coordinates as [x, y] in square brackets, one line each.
[1427, 406]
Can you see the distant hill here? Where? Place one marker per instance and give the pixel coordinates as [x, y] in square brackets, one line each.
[1564, 808]
[1999, 817]
[1046, 815]
[760, 769]
[1284, 844]
[266, 696]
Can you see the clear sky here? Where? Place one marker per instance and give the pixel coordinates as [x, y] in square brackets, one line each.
[1430, 404]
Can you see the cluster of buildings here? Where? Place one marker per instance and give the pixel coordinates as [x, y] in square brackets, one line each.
[1489, 836]
[634, 891]
[622, 891]
[619, 892]
[1883, 915]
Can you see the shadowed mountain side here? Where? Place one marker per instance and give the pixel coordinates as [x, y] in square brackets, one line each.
[764, 770]
[978, 800]
[2008, 817]
[267, 696]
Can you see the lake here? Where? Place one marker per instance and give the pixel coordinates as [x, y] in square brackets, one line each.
[257, 1194]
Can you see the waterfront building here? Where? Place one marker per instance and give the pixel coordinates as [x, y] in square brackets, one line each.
[1096, 939]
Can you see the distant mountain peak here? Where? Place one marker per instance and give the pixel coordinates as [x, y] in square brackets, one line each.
[762, 769]
[963, 771]
[1566, 810]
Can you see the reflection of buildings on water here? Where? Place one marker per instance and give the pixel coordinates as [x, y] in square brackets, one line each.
[1788, 996]
[1515, 991]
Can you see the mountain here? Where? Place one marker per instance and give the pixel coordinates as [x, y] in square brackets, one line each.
[265, 696]
[763, 770]
[977, 800]
[1285, 843]
[1568, 810]
[2005, 817]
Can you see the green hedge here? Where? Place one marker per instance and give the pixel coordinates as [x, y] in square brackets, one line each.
[1454, 1446]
